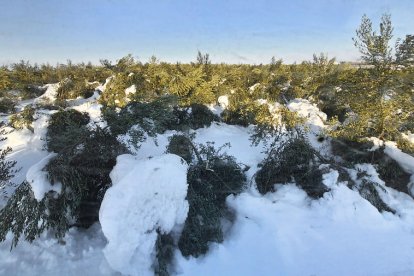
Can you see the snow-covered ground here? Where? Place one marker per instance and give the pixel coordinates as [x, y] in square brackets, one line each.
[281, 233]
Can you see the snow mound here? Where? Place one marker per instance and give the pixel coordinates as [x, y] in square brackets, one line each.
[37, 178]
[49, 95]
[94, 111]
[223, 101]
[131, 90]
[409, 137]
[315, 121]
[146, 195]
[308, 110]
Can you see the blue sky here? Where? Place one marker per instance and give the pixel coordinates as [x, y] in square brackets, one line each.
[174, 30]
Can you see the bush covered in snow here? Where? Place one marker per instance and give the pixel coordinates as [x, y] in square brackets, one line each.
[71, 88]
[195, 116]
[182, 146]
[239, 116]
[7, 170]
[146, 203]
[23, 119]
[153, 117]
[83, 171]
[64, 189]
[66, 129]
[115, 93]
[353, 152]
[7, 104]
[211, 178]
[291, 161]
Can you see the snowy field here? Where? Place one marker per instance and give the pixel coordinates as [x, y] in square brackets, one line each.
[280, 233]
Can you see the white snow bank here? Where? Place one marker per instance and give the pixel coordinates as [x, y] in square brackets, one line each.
[147, 195]
[37, 178]
[285, 233]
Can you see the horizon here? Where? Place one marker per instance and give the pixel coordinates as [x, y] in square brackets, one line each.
[53, 32]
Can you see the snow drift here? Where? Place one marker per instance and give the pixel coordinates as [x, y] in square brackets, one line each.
[147, 195]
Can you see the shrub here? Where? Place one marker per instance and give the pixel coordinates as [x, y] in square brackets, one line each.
[66, 129]
[154, 117]
[23, 214]
[83, 171]
[72, 88]
[392, 174]
[195, 116]
[32, 91]
[164, 247]
[293, 160]
[182, 146]
[7, 170]
[201, 116]
[46, 103]
[238, 117]
[353, 152]
[211, 178]
[114, 94]
[405, 145]
[7, 105]
[23, 119]
[368, 190]
[330, 104]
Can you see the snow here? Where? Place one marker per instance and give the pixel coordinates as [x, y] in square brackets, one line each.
[28, 149]
[254, 87]
[223, 101]
[103, 86]
[408, 136]
[405, 160]
[315, 122]
[37, 178]
[285, 233]
[378, 143]
[150, 196]
[308, 110]
[93, 109]
[49, 95]
[240, 144]
[80, 255]
[130, 90]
